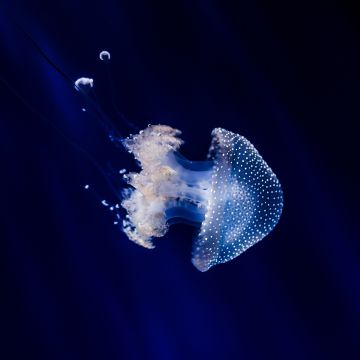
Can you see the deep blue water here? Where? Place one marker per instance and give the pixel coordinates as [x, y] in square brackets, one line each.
[283, 74]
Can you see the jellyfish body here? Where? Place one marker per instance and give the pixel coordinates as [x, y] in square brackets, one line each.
[234, 198]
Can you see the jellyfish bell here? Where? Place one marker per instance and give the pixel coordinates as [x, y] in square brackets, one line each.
[234, 198]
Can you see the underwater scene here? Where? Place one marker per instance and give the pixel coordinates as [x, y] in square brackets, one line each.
[179, 180]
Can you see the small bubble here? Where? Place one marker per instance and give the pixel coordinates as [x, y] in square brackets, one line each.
[84, 84]
[104, 56]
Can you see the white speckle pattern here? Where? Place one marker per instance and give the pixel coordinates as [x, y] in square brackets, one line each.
[245, 204]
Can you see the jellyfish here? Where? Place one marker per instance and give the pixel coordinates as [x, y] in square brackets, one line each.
[233, 198]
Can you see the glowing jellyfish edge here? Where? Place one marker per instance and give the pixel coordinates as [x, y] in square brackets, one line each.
[234, 197]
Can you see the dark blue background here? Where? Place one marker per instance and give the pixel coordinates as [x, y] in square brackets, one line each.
[283, 74]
